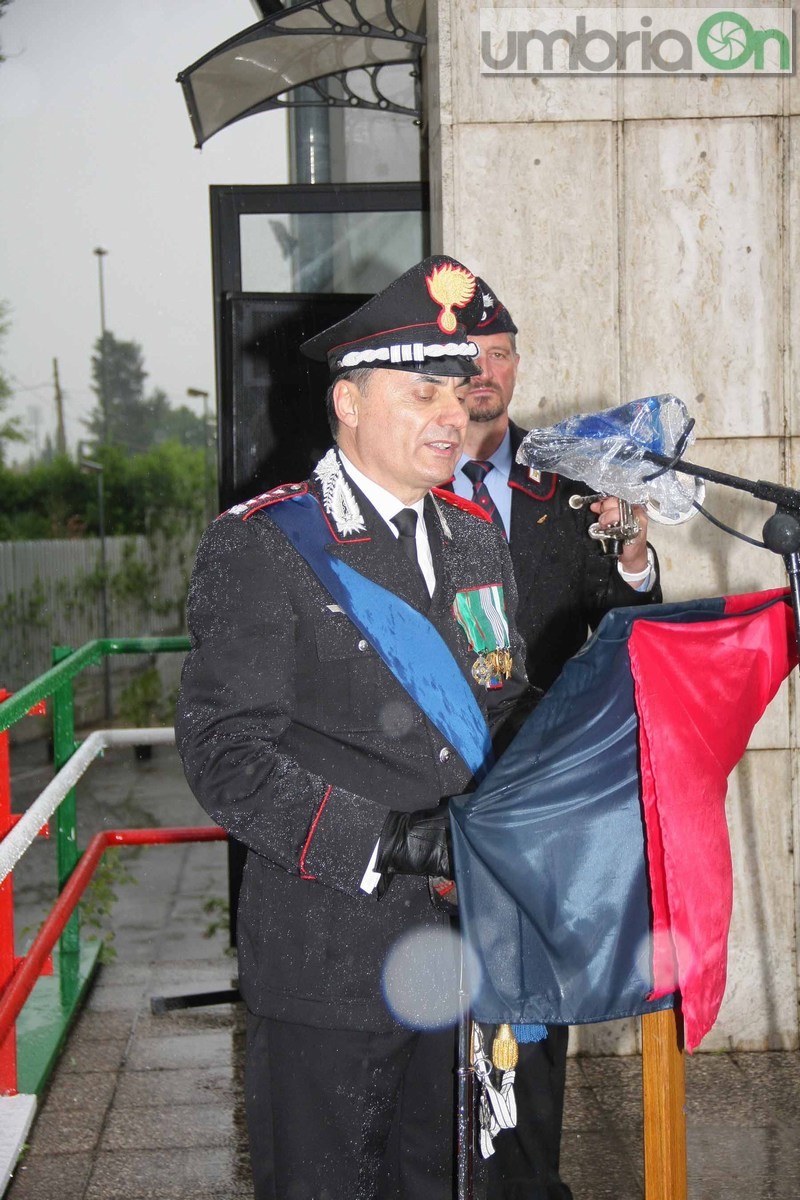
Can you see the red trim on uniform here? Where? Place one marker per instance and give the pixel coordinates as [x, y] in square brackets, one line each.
[480, 587]
[497, 311]
[459, 502]
[536, 495]
[301, 490]
[370, 337]
[342, 541]
[303, 873]
[271, 497]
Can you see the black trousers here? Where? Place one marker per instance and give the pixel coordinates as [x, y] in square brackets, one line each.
[525, 1164]
[348, 1115]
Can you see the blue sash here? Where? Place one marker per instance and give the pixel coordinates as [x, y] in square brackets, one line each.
[430, 675]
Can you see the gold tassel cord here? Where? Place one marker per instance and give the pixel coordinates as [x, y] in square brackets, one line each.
[505, 1050]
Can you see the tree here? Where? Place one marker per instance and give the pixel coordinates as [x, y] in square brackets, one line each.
[159, 491]
[118, 376]
[185, 427]
[10, 427]
[48, 500]
[125, 416]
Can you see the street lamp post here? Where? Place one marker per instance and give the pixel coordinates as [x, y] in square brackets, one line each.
[96, 468]
[101, 253]
[198, 393]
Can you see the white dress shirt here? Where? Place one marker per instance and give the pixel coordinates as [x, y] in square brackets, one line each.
[389, 506]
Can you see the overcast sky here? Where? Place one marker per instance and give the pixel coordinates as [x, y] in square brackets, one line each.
[96, 149]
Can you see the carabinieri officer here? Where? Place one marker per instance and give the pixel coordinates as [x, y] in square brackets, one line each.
[353, 651]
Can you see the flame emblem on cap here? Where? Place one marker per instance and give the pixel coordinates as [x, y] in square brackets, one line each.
[451, 287]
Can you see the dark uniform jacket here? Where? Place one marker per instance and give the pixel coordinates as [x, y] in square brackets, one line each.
[564, 581]
[297, 739]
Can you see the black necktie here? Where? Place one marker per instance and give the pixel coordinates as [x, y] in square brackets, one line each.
[405, 522]
[476, 471]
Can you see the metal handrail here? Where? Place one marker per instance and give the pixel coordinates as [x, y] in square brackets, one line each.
[76, 959]
[88, 655]
[15, 843]
[27, 973]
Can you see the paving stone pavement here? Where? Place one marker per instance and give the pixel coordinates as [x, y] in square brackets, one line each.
[148, 1107]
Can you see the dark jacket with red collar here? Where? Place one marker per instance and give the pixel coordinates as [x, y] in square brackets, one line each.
[564, 581]
[297, 739]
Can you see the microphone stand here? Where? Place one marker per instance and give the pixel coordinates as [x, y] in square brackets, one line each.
[781, 531]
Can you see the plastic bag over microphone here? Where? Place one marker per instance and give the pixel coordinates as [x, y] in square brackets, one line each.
[608, 451]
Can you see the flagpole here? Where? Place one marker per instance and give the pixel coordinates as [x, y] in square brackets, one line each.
[465, 1131]
[664, 1106]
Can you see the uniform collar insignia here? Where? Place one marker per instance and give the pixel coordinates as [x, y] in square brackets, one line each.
[442, 519]
[337, 496]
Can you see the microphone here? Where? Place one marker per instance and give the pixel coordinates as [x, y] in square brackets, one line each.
[609, 451]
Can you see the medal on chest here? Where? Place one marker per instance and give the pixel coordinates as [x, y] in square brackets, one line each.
[481, 613]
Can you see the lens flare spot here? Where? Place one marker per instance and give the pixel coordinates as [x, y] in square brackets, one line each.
[420, 979]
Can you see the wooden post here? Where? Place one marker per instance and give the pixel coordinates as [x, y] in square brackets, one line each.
[663, 1101]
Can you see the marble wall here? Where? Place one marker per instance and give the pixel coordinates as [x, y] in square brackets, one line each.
[645, 233]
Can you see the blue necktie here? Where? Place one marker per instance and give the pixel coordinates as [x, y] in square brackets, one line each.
[476, 471]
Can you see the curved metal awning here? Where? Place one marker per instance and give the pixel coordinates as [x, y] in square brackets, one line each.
[350, 53]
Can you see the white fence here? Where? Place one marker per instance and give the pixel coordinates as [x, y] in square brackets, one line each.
[51, 594]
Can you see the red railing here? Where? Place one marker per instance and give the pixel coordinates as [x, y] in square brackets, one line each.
[8, 1049]
[31, 1039]
[27, 972]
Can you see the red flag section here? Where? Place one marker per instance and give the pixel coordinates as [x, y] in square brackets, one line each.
[700, 689]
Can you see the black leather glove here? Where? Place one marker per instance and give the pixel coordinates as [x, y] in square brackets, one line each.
[414, 843]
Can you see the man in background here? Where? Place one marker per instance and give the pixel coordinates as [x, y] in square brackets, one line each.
[566, 583]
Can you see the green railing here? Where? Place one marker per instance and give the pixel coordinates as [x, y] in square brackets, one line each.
[44, 1022]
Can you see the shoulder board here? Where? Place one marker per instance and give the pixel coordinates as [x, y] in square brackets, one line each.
[459, 502]
[284, 492]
